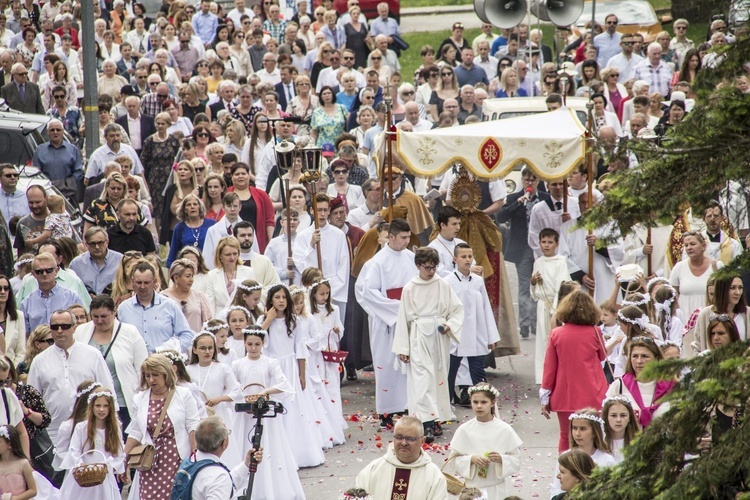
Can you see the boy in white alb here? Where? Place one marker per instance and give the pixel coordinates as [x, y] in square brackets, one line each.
[430, 315]
[549, 271]
[479, 332]
[224, 227]
[278, 249]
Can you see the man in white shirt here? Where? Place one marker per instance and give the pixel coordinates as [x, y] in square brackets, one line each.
[59, 369]
[550, 214]
[368, 215]
[333, 251]
[625, 61]
[109, 151]
[214, 480]
[654, 70]
[411, 109]
[239, 10]
[484, 60]
[389, 57]
[270, 73]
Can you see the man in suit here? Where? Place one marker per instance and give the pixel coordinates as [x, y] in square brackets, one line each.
[517, 211]
[285, 88]
[138, 126]
[21, 94]
[227, 90]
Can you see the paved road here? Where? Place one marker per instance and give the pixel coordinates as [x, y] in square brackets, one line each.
[514, 378]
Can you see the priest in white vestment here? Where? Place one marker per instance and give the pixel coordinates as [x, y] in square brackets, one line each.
[406, 472]
[334, 253]
[430, 317]
[378, 291]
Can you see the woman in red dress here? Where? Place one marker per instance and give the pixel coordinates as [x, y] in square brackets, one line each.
[573, 376]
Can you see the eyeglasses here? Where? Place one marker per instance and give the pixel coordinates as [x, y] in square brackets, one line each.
[628, 44]
[616, 75]
[204, 348]
[326, 51]
[5, 288]
[720, 317]
[142, 77]
[348, 58]
[428, 268]
[47, 341]
[200, 169]
[203, 65]
[680, 27]
[239, 36]
[408, 439]
[25, 73]
[63, 326]
[133, 253]
[48, 270]
[10, 176]
[339, 172]
[611, 23]
[407, 92]
[59, 96]
[376, 58]
[97, 243]
[203, 134]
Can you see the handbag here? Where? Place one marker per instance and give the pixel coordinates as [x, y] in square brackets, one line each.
[332, 356]
[41, 448]
[141, 457]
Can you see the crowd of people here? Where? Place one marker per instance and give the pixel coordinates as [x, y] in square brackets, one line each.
[202, 276]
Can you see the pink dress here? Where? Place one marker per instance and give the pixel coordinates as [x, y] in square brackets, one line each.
[11, 478]
[156, 484]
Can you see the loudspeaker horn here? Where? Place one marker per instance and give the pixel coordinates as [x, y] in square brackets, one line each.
[559, 12]
[504, 14]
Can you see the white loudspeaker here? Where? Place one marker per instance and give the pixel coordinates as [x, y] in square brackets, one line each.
[559, 12]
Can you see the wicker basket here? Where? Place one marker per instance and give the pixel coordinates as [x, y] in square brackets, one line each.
[333, 356]
[210, 411]
[454, 484]
[249, 398]
[88, 475]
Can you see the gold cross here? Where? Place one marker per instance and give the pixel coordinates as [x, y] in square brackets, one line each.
[401, 484]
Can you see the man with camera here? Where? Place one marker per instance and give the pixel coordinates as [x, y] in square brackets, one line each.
[210, 477]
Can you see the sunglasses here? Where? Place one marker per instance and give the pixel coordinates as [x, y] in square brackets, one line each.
[628, 43]
[646, 340]
[720, 317]
[59, 96]
[447, 73]
[162, 96]
[407, 93]
[339, 172]
[40, 272]
[63, 326]
[5, 288]
[376, 58]
[611, 23]
[10, 176]
[348, 58]
[47, 341]
[200, 169]
[133, 253]
[203, 134]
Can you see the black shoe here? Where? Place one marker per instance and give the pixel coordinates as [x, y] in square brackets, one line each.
[368, 368]
[386, 422]
[429, 432]
[351, 374]
[438, 430]
[524, 332]
[464, 399]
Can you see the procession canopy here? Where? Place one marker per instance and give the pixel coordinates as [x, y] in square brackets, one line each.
[551, 144]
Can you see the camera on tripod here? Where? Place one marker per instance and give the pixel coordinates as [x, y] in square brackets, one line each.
[260, 407]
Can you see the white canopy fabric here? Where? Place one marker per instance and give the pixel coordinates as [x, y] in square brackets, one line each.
[551, 144]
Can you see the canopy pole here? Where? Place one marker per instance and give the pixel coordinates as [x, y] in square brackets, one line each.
[590, 181]
[388, 100]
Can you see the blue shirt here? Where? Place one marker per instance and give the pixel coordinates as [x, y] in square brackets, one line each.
[608, 47]
[158, 322]
[37, 309]
[14, 203]
[470, 76]
[95, 278]
[499, 42]
[184, 236]
[388, 27]
[59, 163]
[205, 26]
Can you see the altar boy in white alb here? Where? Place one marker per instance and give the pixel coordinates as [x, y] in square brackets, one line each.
[333, 250]
[429, 317]
[479, 332]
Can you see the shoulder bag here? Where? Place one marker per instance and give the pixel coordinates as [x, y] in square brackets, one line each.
[141, 458]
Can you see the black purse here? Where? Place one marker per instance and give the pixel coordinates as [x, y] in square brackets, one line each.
[41, 447]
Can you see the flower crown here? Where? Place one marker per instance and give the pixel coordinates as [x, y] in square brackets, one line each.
[4, 432]
[586, 416]
[618, 399]
[257, 331]
[206, 332]
[172, 356]
[641, 322]
[324, 281]
[644, 300]
[666, 306]
[95, 395]
[297, 291]
[484, 387]
[238, 308]
[213, 329]
[656, 279]
[88, 389]
[249, 288]
[664, 344]
[23, 262]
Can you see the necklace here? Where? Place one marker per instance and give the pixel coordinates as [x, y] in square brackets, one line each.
[196, 235]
